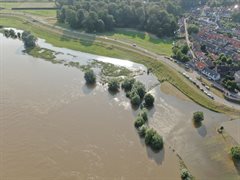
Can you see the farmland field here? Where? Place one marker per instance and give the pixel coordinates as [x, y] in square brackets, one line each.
[34, 4]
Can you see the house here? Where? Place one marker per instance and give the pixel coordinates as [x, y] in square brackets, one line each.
[211, 74]
[200, 65]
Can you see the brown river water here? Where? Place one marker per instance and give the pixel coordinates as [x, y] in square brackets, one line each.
[52, 126]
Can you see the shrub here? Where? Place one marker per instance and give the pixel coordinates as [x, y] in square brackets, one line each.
[142, 130]
[128, 84]
[153, 139]
[185, 175]
[149, 100]
[143, 114]
[139, 122]
[135, 99]
[198, 116]
[90, 77]
[235, 153]
[113, 85]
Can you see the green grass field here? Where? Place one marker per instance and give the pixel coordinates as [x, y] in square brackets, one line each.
[34, 4]
[43, 13]
[142, 39]
[161, 70]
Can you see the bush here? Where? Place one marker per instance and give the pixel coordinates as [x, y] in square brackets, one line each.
[128, 84]
[149, 100]
[139, 122]
[90, 77]
[235, 153]
[142, 130]
[113, 85]
[185, 175]
[198, 117]
[153, 139]
[135, 99]
[143, 114]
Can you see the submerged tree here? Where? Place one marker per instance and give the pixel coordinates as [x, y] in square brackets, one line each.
[90, 77]
[149, 100]
[113, 85]
[29, 39]
[235, 153]
[198, 116]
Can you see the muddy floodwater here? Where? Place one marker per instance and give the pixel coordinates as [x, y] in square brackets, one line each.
[52, 126]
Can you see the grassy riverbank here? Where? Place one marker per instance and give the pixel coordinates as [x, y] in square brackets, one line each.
[161, 70]
[143, 39]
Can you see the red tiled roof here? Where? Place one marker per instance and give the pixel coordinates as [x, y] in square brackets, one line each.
[200, 65]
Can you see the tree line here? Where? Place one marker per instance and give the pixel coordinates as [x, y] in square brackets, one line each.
[155, 16]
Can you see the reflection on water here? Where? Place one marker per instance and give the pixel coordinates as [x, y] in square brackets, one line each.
[55, 127]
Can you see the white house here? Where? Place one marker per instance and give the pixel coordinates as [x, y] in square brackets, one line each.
[211, 74]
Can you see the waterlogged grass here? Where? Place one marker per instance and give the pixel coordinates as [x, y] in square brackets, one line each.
[161, 70]
[42, 53]
[143, 39]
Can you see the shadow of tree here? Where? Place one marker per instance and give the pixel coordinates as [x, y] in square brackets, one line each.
[88, 88]
[237, 165]
[202, 131]
[158, 157]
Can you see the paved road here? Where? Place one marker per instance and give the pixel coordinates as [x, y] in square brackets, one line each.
[187, 38]
[122, 45]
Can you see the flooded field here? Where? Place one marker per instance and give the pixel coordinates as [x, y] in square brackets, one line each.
[52, 126]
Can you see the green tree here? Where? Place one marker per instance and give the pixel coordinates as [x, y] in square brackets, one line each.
[91, 21]
[100, 26]
[139, 122]
[153, 139]
[149, 100]
[142, 130]
[135, 99]
[113, 85]
[193, 29]
[198, 116]
[128, 84]
[71, 17]
[28, 39]
[139, 88]
[90, 77]
[143, 114]
[235, 153]
[185, 175]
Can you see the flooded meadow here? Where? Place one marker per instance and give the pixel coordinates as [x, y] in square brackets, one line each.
[53, 126]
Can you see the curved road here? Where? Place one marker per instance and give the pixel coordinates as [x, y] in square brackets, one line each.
[118, 43]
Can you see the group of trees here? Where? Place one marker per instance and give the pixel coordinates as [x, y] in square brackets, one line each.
[28, 39]
[230, 84]
[11, 33]
[193, 29]
[158, 16]
[152, 138]
[136, 92]
[224, 60]
[180, 53]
